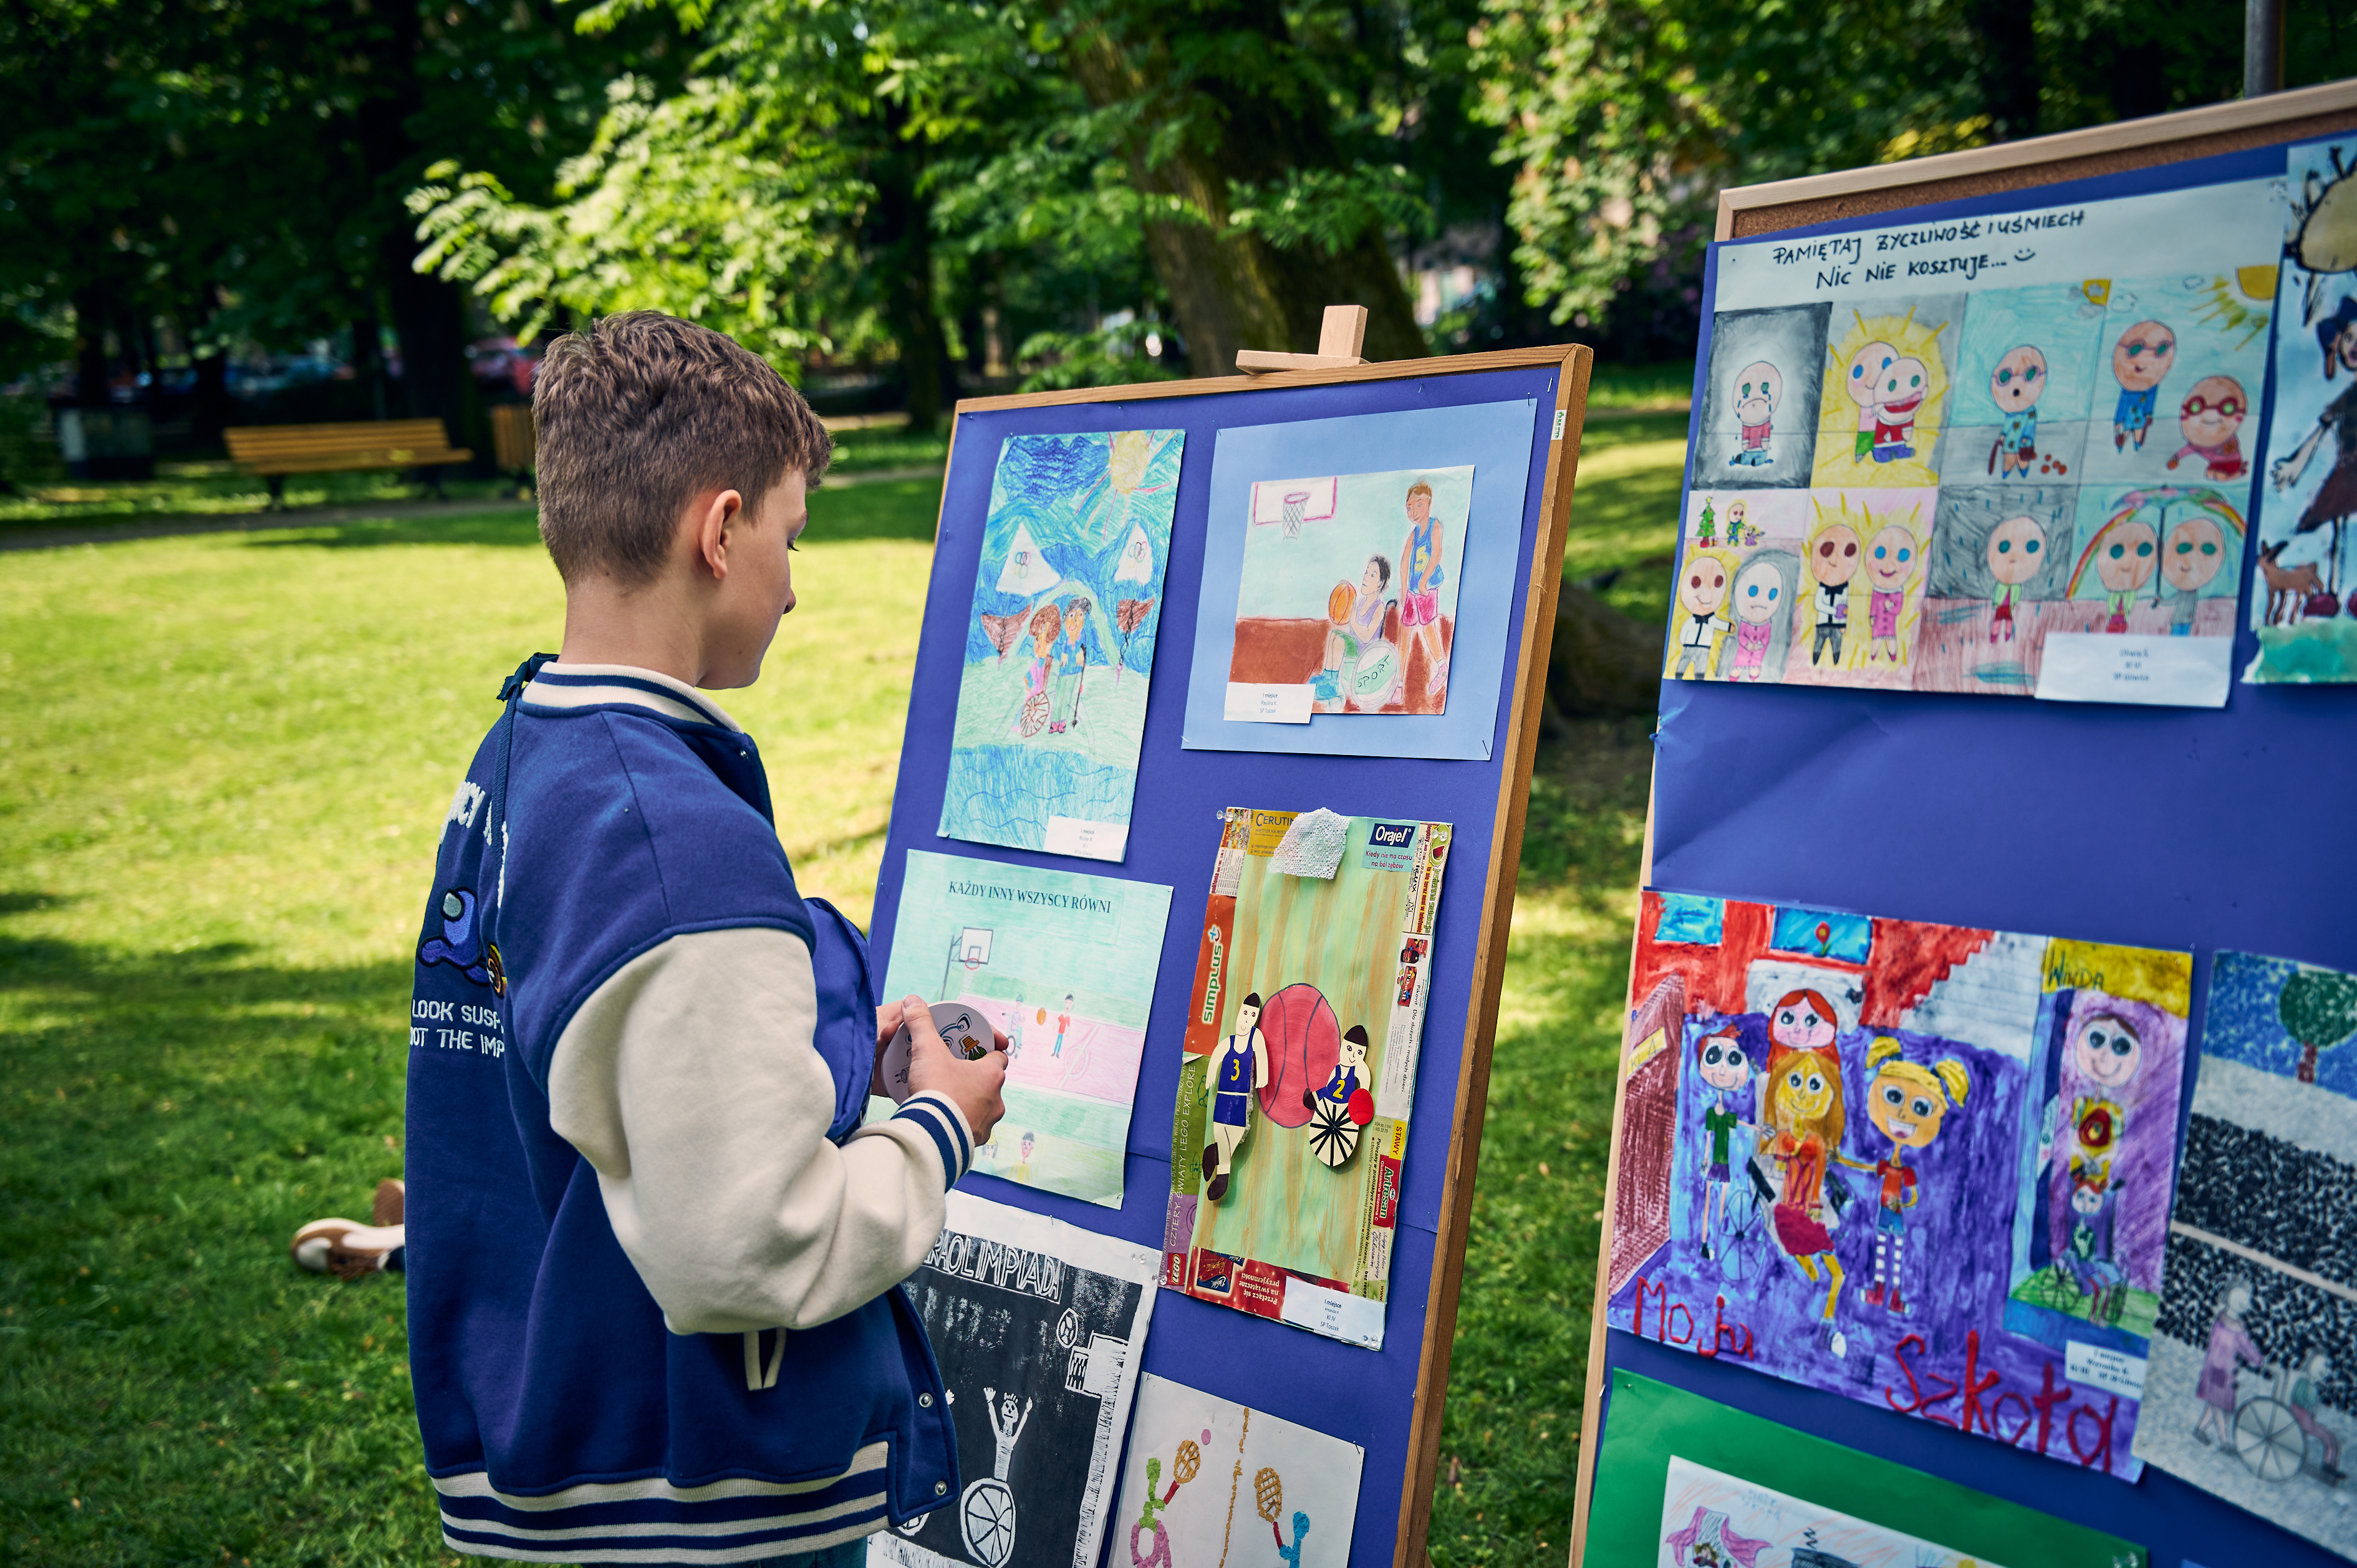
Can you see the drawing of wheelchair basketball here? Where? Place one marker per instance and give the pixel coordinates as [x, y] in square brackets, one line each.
[1212, 1481]
[1034, 1346]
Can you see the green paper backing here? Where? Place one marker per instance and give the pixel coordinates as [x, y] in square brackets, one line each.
[1649, 1422]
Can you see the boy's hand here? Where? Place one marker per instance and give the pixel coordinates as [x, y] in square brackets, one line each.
[934, 1069]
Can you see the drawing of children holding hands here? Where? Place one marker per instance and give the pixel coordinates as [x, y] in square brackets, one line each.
[1890, 563]
[1071, 665]
[1863, 382]
[2122, 555]
[1907, 1102]
[1046, 625]
[2139, 361]
[1758, 591]
[1904, 386]
[1726, 1069]
[1420, 592]
[2190, 557]
[2212, 412]
[1833, 562]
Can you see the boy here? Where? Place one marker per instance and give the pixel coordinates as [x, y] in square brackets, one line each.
[651, 1252]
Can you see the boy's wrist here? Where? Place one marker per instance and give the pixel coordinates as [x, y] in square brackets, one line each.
[938, 1116]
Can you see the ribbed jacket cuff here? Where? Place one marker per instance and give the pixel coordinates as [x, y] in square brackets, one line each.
[943, 1123]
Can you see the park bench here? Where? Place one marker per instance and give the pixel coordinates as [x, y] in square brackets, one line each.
[274, 451]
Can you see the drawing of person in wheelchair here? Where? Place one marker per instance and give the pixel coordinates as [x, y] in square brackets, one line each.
[2276, 1434]
[2089, 1262]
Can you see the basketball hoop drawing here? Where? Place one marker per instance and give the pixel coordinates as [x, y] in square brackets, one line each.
[1289, 503]
[970, 948]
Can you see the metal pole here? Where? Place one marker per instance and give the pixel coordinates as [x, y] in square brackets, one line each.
[2263, 48]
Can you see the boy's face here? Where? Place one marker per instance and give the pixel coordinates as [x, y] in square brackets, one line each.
[758, 588]
[1419, 507]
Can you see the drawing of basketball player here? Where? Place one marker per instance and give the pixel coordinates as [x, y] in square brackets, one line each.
[1005, 1426]
[1239, 1067]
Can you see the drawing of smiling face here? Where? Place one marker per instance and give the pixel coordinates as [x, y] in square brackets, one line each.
[1759, 388]
[1890, 559]
[2018, 380]
[2143, 356]
[1862, 380]
[1903, 384]
[1704, 587]
[2123, 561]
[1757, 591]
[1834, 559]
[2213, 411]
[2108, 1051]
[2017, 548]
[1798, 1025]
[2195, 549]
[1724, 1066]
[1909, 1115]
[1804, 1093]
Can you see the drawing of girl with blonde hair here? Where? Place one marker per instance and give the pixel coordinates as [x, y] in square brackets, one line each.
[1907, 1102]
[1802, 1106]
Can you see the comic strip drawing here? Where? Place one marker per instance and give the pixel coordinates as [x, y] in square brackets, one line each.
[2306, 630]
[1078, 536]
[1758, 417]
[1301, 1042]
[1830, 1219]
[2025, 384]
[1348, 603]
[2183, 358]
[1711, 1519]
[1007, 940]
[2163, 560]
[1038, 1326]
[2249, 1392]
[1735, 594]
[1234, 1470]
[1866, 553]
[1886, 376]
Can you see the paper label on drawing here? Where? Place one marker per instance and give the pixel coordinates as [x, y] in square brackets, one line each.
[2108, 667]
[1250, 704]
[1390, 846]
[1403, 1036]
[1379, 1254]
[1335, 1314]
[1088, 840]
[2114, 1371]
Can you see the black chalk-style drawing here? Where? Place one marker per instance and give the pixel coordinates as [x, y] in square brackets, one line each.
[1038, 1324]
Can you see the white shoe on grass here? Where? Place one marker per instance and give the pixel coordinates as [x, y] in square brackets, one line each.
[344, 1247]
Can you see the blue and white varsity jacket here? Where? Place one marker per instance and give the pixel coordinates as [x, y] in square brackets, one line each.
[653, 1259]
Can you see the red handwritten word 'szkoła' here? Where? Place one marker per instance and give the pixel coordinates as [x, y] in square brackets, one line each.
[2087, 1429]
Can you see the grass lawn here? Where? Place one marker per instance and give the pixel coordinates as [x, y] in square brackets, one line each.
[223, 761]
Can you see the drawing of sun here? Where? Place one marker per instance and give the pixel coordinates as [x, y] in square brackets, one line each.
[2238, 304]
[1886, 398]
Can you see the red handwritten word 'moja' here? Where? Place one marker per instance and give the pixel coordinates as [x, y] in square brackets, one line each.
[1726, 1336]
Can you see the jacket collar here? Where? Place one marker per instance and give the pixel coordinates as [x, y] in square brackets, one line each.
[561, 685]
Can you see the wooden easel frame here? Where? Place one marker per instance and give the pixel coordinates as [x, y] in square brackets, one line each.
[1749, 211]
[1529, 686]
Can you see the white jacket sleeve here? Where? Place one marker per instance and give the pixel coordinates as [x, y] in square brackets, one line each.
[689, 1081]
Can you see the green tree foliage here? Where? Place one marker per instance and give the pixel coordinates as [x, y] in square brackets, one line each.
[2319, 1009]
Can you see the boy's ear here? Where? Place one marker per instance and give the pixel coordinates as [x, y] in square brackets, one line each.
[712, 516]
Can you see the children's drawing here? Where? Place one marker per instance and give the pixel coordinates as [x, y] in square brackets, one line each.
[1302, 1037]
[1999, 582]
[1064, 964]
[1711, 1519]
[1039, 1328]
[1349, 598]
[1866, 552]
[1736, 592]
[1210, 1481]
[1759, 417]
[2025, 385]
[2250, 1389]
[2308, 550]
[2167, 559]
[2184, 358]
[1064, 611]
[1886, 375]
[1846, 1172]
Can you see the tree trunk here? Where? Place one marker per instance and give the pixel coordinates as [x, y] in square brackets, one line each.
[2307, 1062]
[900, 237]
[1232, 290]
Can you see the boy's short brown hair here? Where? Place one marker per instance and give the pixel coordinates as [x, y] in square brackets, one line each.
[640, 413]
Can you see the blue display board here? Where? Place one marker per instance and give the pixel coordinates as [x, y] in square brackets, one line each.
[2165, 827]
[1366, 1396]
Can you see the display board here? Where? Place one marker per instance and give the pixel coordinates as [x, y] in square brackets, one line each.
[1087, 543]
[1923, 829]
